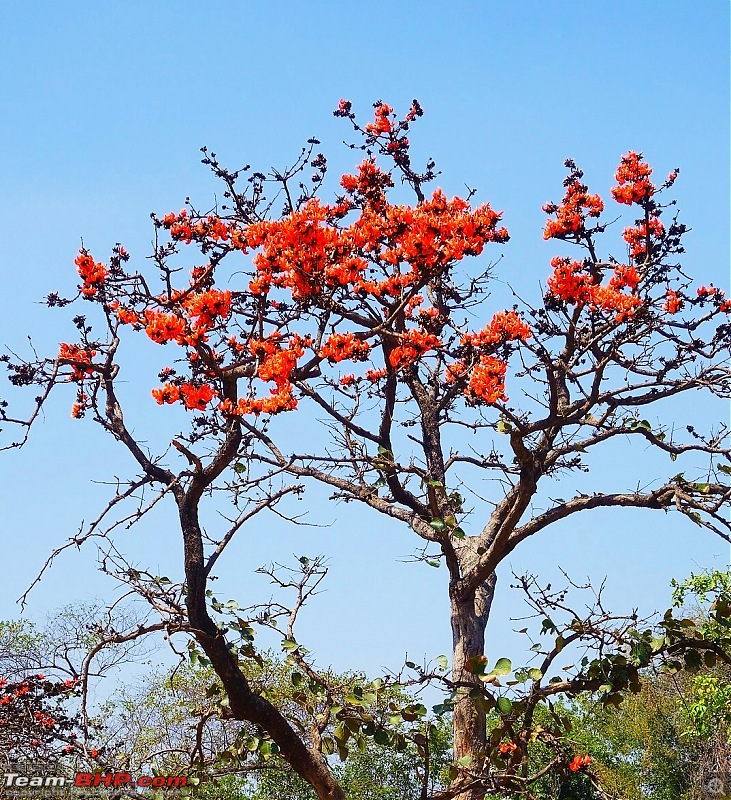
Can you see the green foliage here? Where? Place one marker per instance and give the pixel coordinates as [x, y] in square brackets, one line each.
[158, 725]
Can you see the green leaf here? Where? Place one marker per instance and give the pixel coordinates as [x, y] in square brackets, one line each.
[504, 426]
[673, 456]
[296, 678]
[328, 745]
[433, 562]
[458, 533]
[504, 706]
[535, 674]
[289, 645]
[725, 469]
[239, 468]
[442, 662]
[438, 525]
[385, 453]
[502, 667]
[341, 732]
[641, 424]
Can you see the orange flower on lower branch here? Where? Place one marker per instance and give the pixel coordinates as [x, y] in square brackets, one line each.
[579, 761]
[279, 401]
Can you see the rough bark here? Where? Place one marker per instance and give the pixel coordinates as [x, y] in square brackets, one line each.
[469, 622]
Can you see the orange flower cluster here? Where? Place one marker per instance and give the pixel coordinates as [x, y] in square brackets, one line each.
[413, 345]
[710, 291]
[44, 719]
[196, 397]
[343, 346]
[192, 397]
[76, 357]
[507, 747]
[296, 252]
[183, 229]
[487, 381]
[92, 273]
[713, 293]
[638, 237]
[673, 302]
[572, 283]
[375, 375]
[163, 328]
[277, 365]
[579, 761]
[370, 184]
[80, 406]
[439, 232]
[571, 215]
[633, 179]
[127, 316]
[480, 372]
[382, 123]
[505, 326]
[308, 253]
[205, 307]
[169, 393]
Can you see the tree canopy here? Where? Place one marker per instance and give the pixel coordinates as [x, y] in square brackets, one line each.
[364, 316]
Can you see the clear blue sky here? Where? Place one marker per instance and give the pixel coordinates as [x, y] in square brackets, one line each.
[105, 107]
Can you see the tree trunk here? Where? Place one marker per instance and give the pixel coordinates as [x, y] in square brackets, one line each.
[245, 705]
[469, 621]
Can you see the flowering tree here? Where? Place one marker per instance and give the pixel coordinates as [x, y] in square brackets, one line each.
[361, 309]
[34, 724]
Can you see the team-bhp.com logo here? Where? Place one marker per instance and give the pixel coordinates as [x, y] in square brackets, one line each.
[93, 780]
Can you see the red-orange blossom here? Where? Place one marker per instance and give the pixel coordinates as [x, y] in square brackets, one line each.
[362, 251]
